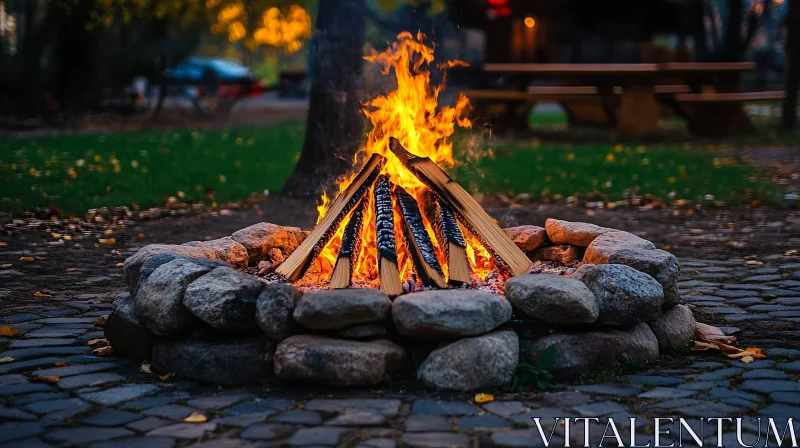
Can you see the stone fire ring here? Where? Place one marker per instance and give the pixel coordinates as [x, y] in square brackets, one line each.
[192, 311]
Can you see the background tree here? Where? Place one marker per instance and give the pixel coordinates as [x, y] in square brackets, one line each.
[792, 25]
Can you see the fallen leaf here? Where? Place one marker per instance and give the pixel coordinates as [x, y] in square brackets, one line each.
[41, 294]
[483, 398]
[196, 417]
[67, 238]
[27, 259]
[104, 351]
[56, 235]
[8, 331]
[703, 346]
[166, 376]
[98, 342]
[5, 266]
[107, 241]
[120, 265]
[2, 244]
[101, 321]
[710, 333]
[61, 364]
[791, 252]
[46, 379]
[754, 263]
[747, 359]
[752, 352]
[145, 367]
[6, 359]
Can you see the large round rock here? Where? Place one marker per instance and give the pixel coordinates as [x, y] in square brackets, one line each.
[159, 298]
[448, 314]
[214, 358]
[333, 309]
[322, 360]
[124, 332]
[552, 298]
[225, 299]
[578, 353]
[225, 249]
[274, 308]
[625, 295]
[612, 242]
[674, 329]
[527, 238]
[482, 362]
[574, 233]
[155, 262]
[260, 238]
[133, 264]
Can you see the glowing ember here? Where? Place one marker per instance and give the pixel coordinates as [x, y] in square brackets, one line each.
[411, 113]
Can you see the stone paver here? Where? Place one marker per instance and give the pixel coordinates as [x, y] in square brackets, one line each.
[87, 434]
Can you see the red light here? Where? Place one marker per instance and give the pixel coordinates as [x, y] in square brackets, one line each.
[503, 12]
[498, 2]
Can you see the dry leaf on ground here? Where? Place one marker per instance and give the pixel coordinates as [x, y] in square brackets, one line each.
[483, 398]
[98, 342]
[710, 333]
[45, 379]
[166, 376]
[6, 359]
[101, 321]
[104, 351]
[27, 259]
[41, 294]
[61, 364]
[752, 352]
[2, 244]
[145, 367]
[196, 417]
[8, 331]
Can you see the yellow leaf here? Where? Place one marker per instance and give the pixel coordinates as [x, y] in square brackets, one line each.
[8, 331]
[6, 359]
[196, 417]
[145, 367]
[45, 379]
[61, 364]
[747, 359]
[104, 351]
[67, 238]
[101, 321]
[27, 259]
[108, 232]
[56, 235]
[483, 398]
[120, 265]
[166, 376]
[2, 244]
[108, 241]
[98, 342]
[41, 294]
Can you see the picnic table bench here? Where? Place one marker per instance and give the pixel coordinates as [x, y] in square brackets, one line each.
[629, 97]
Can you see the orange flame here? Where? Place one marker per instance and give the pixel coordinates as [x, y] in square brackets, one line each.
[410, 113]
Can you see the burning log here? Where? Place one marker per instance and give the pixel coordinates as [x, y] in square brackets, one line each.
[422, 251]
[387, 250]
[466, 208]
[351, 240]
[451, 240]
[298, 262]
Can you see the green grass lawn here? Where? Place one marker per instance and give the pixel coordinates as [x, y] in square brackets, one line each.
[141, 169]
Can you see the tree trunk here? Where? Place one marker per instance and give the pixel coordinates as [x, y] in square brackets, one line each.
[792, 24]
[699, 31]
[335, 125]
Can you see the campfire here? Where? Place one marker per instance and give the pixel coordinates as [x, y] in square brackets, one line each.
[400, 222]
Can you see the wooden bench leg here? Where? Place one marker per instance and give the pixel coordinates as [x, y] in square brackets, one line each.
[717, 119]
[638, 112]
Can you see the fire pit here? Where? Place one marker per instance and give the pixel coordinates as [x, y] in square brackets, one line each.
[402, 259]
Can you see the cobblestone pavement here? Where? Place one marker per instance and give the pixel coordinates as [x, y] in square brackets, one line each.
[106, 402]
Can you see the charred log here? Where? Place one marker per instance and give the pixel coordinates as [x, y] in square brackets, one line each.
[422, 250]
[385, 238]
[342, 275]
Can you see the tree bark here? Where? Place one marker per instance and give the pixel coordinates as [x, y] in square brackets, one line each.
[335, 124]
[792, 24]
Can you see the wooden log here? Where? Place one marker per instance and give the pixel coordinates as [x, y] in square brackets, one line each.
[422, 251]
[298, 262]
[387, 249]
[466, 209]
[451, 240]
[342, 275]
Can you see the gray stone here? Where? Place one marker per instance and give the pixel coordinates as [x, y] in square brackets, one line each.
[426, 423]
[23, 388]
[242, 420]
[363, 331]
[147, 403]
[562, 253]
[667, 392]
[481, 362]
[625, 295]
[357, 418]
[134, 264]
[17, 318]
[700, 385]
[147, 424]
[599, 409]
[722, 393]
[320, 435]
[768, 308]
[19, 430]
[482, 422]
[672, 295]
[170, 411]
[216, 402]
[299, 417]
[609, 243]
[225, 249]
[215, 359]
[778, 352]
[522, 438]
[747, 301]
[337, 362]
[609, 389]
[184, 430]
[764, 374]
[46, 407]
[527, 238]
[769, 386]
[785, 397]
[63, 372]
[447, 314]
[274, 308]
[435, 440]
[565, 398]
[654, 380]
[733, 294]
[38, 352]
[44, 342]
[87, 434]
[225, 299]
[264, 431]
[90, 379]
[574, 233]
[124, 332]
[334, 309]
[674, 329]
[505, 408]
[137, 442]
[384, 406]
[126, 392]
[440, 407]
[377, 442]
[577, 353]
[159, 299]
[762, 278]
[14, 378]
[15, 414]
[111, 417]
[552, 298]
[40, 396]
[793, 366]
[268, 405]
[260, 238]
